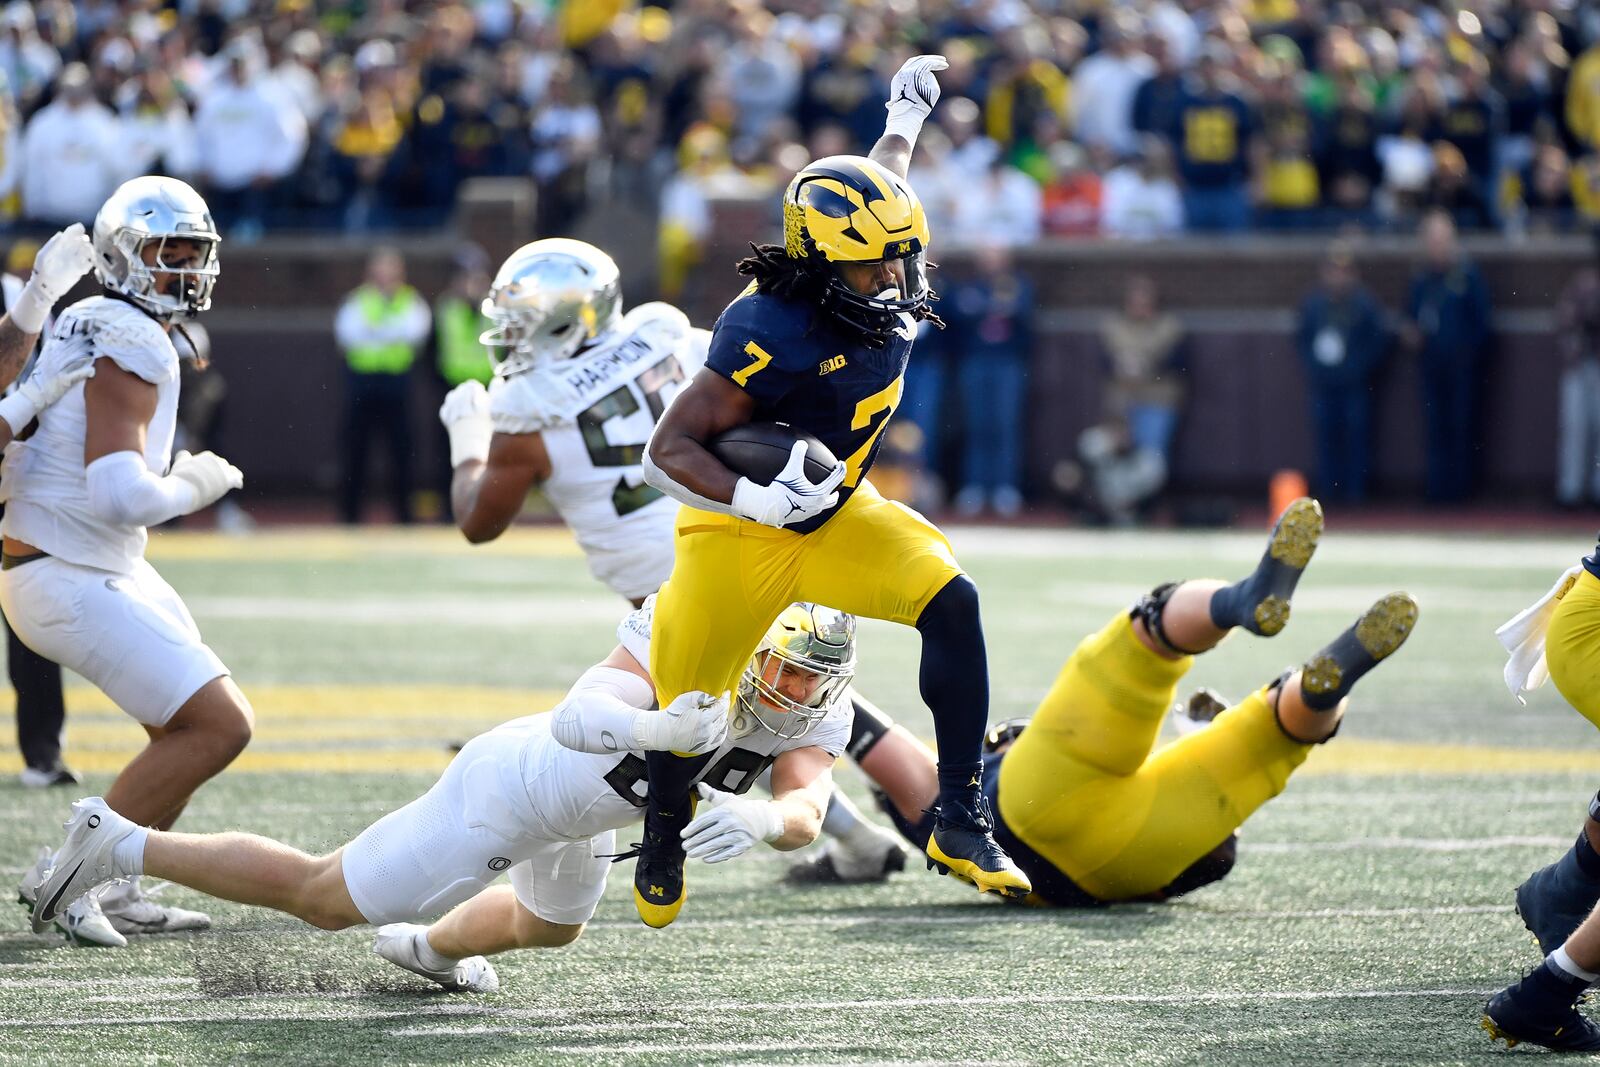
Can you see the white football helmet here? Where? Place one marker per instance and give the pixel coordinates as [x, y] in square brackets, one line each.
[156, 209]
[551, 299]
[803, 665]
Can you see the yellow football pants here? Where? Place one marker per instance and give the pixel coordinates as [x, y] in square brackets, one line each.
[1082, 789]
[1572, 646]
[874, 558]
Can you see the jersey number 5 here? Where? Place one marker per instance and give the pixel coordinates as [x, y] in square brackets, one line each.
[883, 403]
[619, 404]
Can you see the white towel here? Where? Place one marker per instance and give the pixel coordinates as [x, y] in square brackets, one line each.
[1523, 638]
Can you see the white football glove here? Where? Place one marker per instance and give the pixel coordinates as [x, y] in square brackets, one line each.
[914, 88]
[730, 825]
[39, 392]
[693, 724]
[210, 474]
[64, 259]
[791, 498]
[465, 414]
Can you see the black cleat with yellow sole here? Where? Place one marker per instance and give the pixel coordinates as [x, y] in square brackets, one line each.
[658, 889]
[1529, 1012]
[962, 844]
[1328, 676]
[1260, 603]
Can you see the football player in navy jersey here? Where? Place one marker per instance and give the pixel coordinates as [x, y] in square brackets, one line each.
[819, 340]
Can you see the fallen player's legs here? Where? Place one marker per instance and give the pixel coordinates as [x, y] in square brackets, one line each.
[1193, 794]
[249, 869]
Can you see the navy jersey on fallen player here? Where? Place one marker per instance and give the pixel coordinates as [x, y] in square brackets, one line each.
[816, 379]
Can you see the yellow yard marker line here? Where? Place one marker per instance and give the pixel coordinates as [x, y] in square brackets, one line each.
[1353, 756]
[321, 544]
[442, 703]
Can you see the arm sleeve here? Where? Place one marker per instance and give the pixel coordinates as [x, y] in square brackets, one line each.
[124, 491]
[599, 712]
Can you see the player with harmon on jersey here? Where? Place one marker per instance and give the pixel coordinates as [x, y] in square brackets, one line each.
[80, 492]
[820, 340]
[578, 387]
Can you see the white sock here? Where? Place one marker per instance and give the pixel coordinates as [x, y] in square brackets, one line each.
[128, 854]
[1560, 958]
[429, 957]
[842, 815]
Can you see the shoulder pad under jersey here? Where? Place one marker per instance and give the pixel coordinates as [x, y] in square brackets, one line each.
[121, 333]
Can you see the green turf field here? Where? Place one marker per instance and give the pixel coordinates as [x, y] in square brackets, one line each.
[1367, 920]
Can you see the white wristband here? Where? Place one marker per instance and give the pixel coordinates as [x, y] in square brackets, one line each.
[905, 119]
[32, 307]
[18, 411]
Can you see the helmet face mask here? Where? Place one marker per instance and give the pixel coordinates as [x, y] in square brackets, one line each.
[803, 667]
[151, 231]
[847, 211]
[549, 301]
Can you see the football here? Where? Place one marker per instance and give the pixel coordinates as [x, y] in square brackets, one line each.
[758, 450]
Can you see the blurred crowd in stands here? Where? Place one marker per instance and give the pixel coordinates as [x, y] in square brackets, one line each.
[1071, 117]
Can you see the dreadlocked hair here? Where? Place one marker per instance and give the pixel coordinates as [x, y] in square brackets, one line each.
[779, 274]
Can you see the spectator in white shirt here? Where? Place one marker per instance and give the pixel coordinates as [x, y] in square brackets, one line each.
[1104, 84]
[296, 73]
[760, 73]
[971, 153]
[27, 62]
[250, 136]
[1140, 199]
[157, 133]
[69, 154]
[1005, 207]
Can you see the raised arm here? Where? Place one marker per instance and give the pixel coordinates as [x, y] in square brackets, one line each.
[912, 94]
[64, 259]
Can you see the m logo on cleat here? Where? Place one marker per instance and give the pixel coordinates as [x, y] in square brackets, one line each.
[657, 891]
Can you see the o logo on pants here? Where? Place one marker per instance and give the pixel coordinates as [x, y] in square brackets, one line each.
[499, 863]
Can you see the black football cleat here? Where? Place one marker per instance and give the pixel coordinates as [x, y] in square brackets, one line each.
[962, 844]
[1520, 1014]
[658, 889]
[1260, 603]
[1328, 676]
[1551, 906]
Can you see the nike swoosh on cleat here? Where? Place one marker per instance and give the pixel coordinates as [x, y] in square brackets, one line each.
[50, 905]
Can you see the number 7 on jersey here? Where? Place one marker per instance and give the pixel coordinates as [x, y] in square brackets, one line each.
[761, 356]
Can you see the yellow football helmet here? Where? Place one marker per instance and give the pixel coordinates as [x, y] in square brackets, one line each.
[849, 209]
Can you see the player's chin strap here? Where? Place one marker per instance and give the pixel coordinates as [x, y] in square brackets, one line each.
[1149, 608]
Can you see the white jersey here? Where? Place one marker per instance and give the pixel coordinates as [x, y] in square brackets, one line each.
[595, 412]
[46, 489]
[516, 801]
[577, 795]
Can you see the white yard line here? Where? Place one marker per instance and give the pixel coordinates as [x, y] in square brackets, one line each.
[1410, 844]
[251, 1010]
